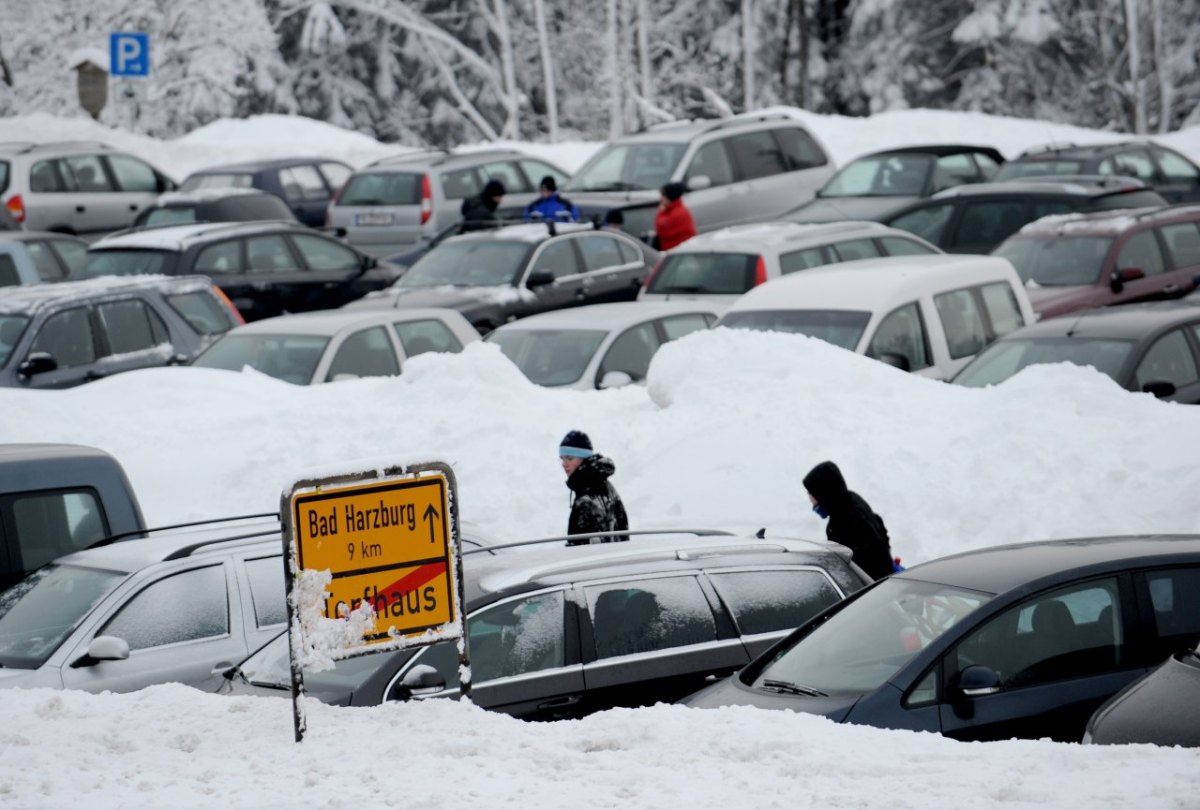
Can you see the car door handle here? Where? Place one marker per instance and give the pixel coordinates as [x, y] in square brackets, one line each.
[1171, 288]
[80, 208]
[94, 375]
[133, 208]
[559, 703]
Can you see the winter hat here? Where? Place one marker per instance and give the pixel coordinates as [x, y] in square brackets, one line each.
[673, 191]
[493, 188]
[576, 444]
[548, 184]
[614, 217]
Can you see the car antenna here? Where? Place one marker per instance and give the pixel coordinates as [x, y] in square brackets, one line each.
[1071, 331]
[761, 533]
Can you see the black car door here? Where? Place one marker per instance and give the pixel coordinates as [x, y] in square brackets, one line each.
[225, 262]
[332, 274]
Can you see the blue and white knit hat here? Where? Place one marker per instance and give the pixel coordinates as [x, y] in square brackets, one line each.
[576, 444]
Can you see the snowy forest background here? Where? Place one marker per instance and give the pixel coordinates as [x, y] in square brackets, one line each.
[445, 72]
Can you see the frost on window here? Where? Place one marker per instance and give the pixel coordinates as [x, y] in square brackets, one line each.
[769, 601]
[649, 615]
[184, 607]
[267, 588]
[517, 637]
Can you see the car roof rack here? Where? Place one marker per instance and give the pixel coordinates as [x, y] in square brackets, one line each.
[745, 118]
[625, 535]
[1053, 146]
[112, 538]
[404, 157]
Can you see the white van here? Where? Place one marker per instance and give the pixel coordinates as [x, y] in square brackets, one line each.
[925, 314]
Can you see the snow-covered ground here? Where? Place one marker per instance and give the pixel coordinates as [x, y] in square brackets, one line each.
[721, 436]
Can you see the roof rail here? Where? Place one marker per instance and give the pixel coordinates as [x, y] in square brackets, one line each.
[674, 124]
[1053, 146]
[745, 118]
[112, 538]
[406, 156]
[476, 153]
[187, 551]
[625, 535]
[16, 146]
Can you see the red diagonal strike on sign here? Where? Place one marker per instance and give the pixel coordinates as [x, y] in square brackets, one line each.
[416, 578]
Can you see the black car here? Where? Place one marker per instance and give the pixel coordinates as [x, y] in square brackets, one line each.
[1153, 348]
[1161, 708]
[214, 205]
[975, 218]
[266, 268]
[1024, 640]
[1169, 173]
[496, 276]
[307, 184]
[561, 632]
[873, 186]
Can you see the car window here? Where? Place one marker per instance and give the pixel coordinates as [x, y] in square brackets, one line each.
[769, 601]
[44, 176]
[899, 246]
[51, 524]
[87, 172]
[962, 323]
[1183, 243]
[928, 222]
[799, 150]
[757, 154]
[1069, 633]
[1141, 251]
[268, 253]
[325, 254]
[154, 616]
[202, 311]
[624, 167]
[131, 326]
[73, 254]
[839, 327]
[1170, 360]
[1175, 168]
[711, 161]
[217, 180]
[335, 174]
[1175, 597]
[853, 249]
[679, 325]
[705, 273]
[461, 184]
[67, 337]
[132, 174]
[40, 611]
[506, 172]
[267, 590]
[471, 263]
[629, 253]
[902, 332]
[631, 352]
[987, 166]
[366, 353]
[600, 252]
[549, 356]
[12, 327]
[1064, 260]
[291, 358]
[1005, 358]
[430, 335]
[801, 260]
[302, 183]
[988, 222]
[535, 170]
[1002, 308]
[223, 257]
[48, 268]
[1045, 208]
[1135, 163]
[649, 615]
[382, 188]
[953, 170]
[559, 258]
[9, 277]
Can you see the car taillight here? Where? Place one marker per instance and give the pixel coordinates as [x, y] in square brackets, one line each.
[426, 199]
[760, 272]
[16, 207]
[657, 265]
[233, 311]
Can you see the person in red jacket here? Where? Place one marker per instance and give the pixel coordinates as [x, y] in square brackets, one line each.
[673, 222]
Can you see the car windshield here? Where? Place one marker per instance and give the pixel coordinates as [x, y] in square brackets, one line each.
[124, 263]
[1005, 358]
[271, 666]
[382, 188]
[628, 167]
[840, 327]
[38, 612]
[232, 180]
[549, 356]
[1058, 261]
[1015, 170]
[171, 215]
[291, 358]
[704, 273]
[11, 329]
[469, 263]
[858, 648]
[881, 176]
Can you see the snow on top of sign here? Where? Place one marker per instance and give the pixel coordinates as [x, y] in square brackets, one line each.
[82, 56]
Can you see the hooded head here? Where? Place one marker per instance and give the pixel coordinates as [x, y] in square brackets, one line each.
[673, 191]
[548, 184]
[825, 483]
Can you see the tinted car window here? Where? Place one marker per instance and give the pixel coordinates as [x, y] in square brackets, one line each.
[841, 328]
[769, 601]
[51, 524]
[11, 329]
[419, 337]
[631, 352]
[67, 336]
[223, 257]
[462, 183]
[132, 174]
[1170, 360]
[801, 260]
[715, 273]
[1135, 163]
[8, 271]
[325, 254]
[559, 258]
[88, 173]
[902, 332]
[268, 253]
[472, 263]
[154, 618]
[72, 253]
[898, 246]
[1183, 243]
[800, 151]
[131, 326]
[649, 615]
[961, 322]
[549, 357]
[124, 263]
[679, 325]
[757, 154]
[202, 311]
[928, 222]
[853, 249]
[41, 610]
[366, 353]
[600, 252]
[267, 590]
[48, 268]
[1142, 251]
[302, 183]
[989, 222]
[45, 177]
[382, 188]
[711, 161]
[1175, 597]
[1002, 308]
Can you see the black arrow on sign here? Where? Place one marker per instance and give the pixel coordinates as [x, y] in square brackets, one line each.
[431, 515]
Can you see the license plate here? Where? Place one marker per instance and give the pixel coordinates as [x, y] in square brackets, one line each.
[373, 218]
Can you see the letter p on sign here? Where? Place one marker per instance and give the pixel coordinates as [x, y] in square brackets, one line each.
[129, 54]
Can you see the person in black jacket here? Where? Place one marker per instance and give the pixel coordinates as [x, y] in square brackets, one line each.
[852, 523]
[595, 506]
[479, 212]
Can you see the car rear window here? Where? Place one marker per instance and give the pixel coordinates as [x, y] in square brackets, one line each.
[1015, 170]
[175, 215]
[382, 188]
[125, 263]
[202, 311]
[705, 273]
[221, 180]
[839, 327]
[549, 356]
[770, 601]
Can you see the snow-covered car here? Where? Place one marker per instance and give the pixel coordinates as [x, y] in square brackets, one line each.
[599, 346]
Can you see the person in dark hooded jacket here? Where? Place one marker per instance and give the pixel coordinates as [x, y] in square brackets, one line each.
[595, 505]
[479, 212]
[852, 523]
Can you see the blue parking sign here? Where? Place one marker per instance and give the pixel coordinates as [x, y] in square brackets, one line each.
[129, 54]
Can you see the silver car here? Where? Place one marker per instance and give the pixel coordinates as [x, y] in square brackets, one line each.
[398, 203]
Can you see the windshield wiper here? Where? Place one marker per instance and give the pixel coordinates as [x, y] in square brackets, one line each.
[790, 688]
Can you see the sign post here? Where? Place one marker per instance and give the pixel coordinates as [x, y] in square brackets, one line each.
[129, 56]
[373, 564]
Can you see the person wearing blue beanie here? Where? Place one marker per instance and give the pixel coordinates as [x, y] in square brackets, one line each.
[595, 504]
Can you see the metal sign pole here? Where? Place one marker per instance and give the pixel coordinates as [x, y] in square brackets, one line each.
[299, 722]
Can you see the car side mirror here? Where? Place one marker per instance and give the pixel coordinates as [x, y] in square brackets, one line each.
[539, 278]
[422, 679]
[1119, 277]
[369, 262]
[1160, 388]
[37, 363]
[103, 648]
[699, 182]
[615, 379]
[894, 360]
[977, 681]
